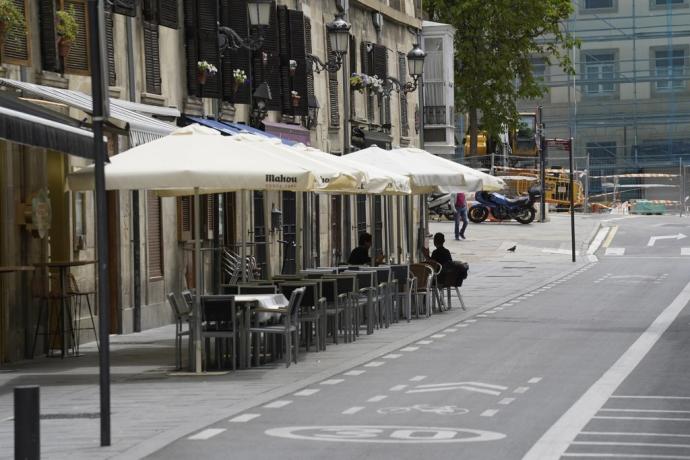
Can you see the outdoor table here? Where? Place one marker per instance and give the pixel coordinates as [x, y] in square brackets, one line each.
[245, 302]
[63, 267]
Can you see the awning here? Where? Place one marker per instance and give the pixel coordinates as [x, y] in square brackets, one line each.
[289, 132]
[241, 128]
[364, 138]
[214, 124]
[28, 124]
[232, 129]
[142, 128]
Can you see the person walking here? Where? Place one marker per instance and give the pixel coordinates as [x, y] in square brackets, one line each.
[460, 205]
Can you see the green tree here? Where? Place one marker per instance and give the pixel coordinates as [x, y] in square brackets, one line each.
[494, 43]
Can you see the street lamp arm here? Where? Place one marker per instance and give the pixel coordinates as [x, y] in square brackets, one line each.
[393, 83]
[229, 39]
[331, 66]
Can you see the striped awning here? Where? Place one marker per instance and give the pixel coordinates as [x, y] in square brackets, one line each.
[142, 128]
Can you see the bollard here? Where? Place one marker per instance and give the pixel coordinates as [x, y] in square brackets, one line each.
[27, 436]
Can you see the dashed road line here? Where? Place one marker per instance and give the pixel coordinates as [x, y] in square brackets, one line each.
[648, 397]
[307, 392]
[277, 404]
[506, 401]
[397, 388]
[658, 419]
[685, 251]
[489, 413]
[615, 252]
[659, 411]
[354, 373]
[424, 342]
[417, 378]
[534, 380]
[521, 390]
[332, 381]
[479, 316]
[438, 336]
[392, 356]
[244, 418]
[462, 325]
[353, 410]
[374, 364]
[450, 330]
[206, 434]
[377, 398]
[409, 349]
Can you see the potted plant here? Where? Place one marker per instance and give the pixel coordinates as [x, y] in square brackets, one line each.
[204, 70]
[358, 82]
[239, 77]
[66, 29]
[293, 67]
[11, 20]
[295, 98]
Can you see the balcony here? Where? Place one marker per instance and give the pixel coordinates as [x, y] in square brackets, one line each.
[435, 115]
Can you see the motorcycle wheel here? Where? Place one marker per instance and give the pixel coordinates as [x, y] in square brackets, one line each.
[525, 216]
[478, 214]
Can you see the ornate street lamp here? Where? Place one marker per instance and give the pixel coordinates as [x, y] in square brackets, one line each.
[259, 12]
[339, 38]
[415, 67]
[259, 16]
[261, 96]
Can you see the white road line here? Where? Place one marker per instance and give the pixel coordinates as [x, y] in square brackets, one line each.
[685, 251]
[648, 397]
[615, 252]
[470, 320]
[661, 419]
[354, 373]
[450, 330]
[332, 381]
[498, 308]
[374, 364]
[424, 342]
[489, 413]
[409, 349]
[397, 388]
[506, 401]
[438, 336]
[352, 410]
[645, 456]
[417, 378]
[596, 242]
[479, 384]
[534, 380]
[556, 440]
[632, 444]
[277, 404]
[206, 434]
[521, 390]
[619, 433]
[462, 325]
[392, 356]
[481, 316]
[307, 392]
[648, 410]
[490, 312]
[377, 398]
[244, 418]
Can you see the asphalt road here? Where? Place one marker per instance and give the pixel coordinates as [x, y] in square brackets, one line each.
[593, 365]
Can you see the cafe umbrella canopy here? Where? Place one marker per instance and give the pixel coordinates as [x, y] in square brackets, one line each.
[195, 160]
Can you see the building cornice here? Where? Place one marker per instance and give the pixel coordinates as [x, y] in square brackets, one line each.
[391, 13]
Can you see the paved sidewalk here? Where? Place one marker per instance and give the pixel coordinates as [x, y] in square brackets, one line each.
[152, 406]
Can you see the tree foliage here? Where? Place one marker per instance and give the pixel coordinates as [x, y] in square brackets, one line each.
[495, 42]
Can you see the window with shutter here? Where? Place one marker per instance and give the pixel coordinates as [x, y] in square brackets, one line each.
[16, 49]
[334, 120]
[154, 236]
[152, 58]
[184, 218]
[150, 11]
[402, 76]
[110, 48]
[366, 53]
[284, 40]
[77, 60]
[126, 7]
[298, 53]
[168, 14]
[207, 23]
[353, 69]
[311, 93]
[49, 54]
[234, 15]
[266, 62]
[380, 69]
[191, 45]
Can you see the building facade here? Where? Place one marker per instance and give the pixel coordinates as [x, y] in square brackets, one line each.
[153, 50]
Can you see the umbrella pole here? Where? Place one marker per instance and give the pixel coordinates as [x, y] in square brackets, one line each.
[243, 250]
[372, 216]
[197, 296]
[389, 226]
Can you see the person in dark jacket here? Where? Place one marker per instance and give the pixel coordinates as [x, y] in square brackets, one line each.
[441, 254]
[360, 254]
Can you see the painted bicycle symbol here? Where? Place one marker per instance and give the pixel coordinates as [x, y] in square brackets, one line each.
[439, 410]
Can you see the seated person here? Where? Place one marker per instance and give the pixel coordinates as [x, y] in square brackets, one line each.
[360, 254]
[441, 254]
[453, 272]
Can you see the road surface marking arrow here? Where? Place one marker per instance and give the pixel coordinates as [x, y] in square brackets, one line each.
[654, 239]
[478, 387]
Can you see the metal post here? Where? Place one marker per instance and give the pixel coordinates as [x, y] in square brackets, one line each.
[197, 283]
[542, 168]
[680, 187]
[27, 426]
[372, 216]
[96, 32]
[586, 204]
[243, 229]
[572, 197]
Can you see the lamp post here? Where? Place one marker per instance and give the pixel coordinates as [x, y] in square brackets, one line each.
[338, 32]
[415, 67]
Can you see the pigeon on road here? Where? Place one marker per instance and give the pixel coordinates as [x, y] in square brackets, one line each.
[512, 249]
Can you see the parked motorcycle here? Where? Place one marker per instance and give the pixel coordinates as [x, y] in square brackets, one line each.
[504, 208]
[440, 205]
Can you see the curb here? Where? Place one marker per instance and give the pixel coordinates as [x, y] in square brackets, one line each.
[157, 443]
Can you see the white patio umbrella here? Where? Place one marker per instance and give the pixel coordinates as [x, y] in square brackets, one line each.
[194, 160]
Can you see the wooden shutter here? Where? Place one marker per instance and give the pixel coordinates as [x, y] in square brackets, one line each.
[380, 61]
[367, 68]
[16, 49]
[402, 76]
[284, 41]
[150, 11]
[191, 45]
[234, 15]
[152, 58]
[154, 237]
[78, 59]
[110, 48]
[49, 54]
[334, 120]
[168, 14]
[184, 218]
[207, 24]
[211, 209]
[126, 7]
[311, 92]
[364, 55]
[298, 53]
[269, 72]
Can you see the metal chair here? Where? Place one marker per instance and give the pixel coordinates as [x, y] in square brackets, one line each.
[312, 313]
[219, 320]
[182, 316]
[437, 296]
[452, 278]
[78, 295]
[402, 290]
[423, 274]
[289, 328]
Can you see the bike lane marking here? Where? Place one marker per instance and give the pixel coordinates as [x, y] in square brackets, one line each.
[417, 378]
[206, 434]
[424, 342]
[374, 364]
[392, 356]
[409, 349]
[489, 413]
[385, 434]
[244, 418]
[353, 410]
[397, 388]
[332, 381]
[377, 398]
[307, 392]
[277, 404]
[354, 373]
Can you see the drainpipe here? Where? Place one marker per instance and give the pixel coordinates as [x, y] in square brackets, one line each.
[136, 217]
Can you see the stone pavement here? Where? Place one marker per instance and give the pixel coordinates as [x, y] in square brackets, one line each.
[152, 405]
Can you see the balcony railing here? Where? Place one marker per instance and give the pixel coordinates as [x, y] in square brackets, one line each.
[435, 115]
